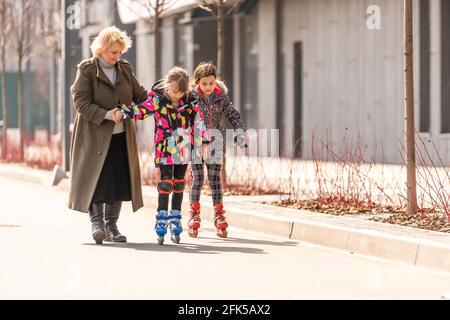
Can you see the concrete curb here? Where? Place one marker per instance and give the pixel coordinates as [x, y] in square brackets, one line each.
[418, 247]
[18, 172]
[422, 248]
[390, 242]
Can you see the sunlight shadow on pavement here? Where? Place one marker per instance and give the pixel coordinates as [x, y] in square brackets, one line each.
[182, 247]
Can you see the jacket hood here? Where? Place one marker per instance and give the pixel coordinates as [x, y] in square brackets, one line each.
[158, 89]
[221, 85]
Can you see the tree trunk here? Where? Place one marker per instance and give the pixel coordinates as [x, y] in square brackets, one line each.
[53, 93]
[157, 43]
[221, 68]
[5, 106]
[409, 106]
[20, 108]
[220, 38]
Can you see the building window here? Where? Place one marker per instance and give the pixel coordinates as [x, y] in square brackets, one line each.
[445, 66]
[298, 93]
[249, 68]
[280, 76]
[424, 25]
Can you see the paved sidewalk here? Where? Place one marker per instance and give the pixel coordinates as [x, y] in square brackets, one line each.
[48, 253]
[422, 248]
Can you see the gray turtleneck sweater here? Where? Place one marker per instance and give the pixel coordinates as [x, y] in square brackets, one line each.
[110, 72]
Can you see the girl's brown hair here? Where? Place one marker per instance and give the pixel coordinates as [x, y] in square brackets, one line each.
[179, 76]
[204, 69]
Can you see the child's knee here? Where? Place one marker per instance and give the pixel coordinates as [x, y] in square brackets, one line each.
[179, 185]
[165, 187]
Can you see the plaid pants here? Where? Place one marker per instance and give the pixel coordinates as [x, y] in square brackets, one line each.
[198, 177]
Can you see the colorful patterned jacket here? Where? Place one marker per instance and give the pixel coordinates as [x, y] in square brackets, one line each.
[215, 109]
[179, 131]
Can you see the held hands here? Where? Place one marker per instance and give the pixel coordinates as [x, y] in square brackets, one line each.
[116, 115]
[125, 110]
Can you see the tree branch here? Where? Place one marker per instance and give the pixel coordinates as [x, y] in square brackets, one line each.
[233, 7]
[203, 5]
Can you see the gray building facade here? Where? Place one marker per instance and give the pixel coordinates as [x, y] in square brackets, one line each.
[319, 69]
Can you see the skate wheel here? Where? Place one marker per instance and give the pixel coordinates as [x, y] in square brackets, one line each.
[193, 233]
[160, 240]
[175, 239]
[98, 241]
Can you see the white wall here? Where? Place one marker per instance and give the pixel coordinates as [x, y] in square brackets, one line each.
[167, 42]
[145, 75]
[267, 64]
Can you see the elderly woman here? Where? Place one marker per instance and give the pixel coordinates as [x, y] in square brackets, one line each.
[104, 157]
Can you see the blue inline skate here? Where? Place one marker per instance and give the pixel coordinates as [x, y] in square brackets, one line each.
[175, 225]
[161, 225]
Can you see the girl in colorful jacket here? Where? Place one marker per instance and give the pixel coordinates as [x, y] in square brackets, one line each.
[215, 105]
[179, 134]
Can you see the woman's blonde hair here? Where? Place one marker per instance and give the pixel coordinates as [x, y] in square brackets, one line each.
[179, 76]
[107, 37]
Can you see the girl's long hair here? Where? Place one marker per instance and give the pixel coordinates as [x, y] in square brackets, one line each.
[204, 69]
[179, 76]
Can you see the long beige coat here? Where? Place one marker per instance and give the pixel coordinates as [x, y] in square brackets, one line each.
[93, 95]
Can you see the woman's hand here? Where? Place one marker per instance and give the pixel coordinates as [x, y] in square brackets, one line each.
[118, 115]
[113, 115]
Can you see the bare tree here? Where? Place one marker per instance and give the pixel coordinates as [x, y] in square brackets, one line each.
[218, 9]
[156, 9]
[409, 106]
[5, 27]
[49, 28]
[50, 37]
[25, 13]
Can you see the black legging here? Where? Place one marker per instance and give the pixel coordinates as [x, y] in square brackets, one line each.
[171, 172]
